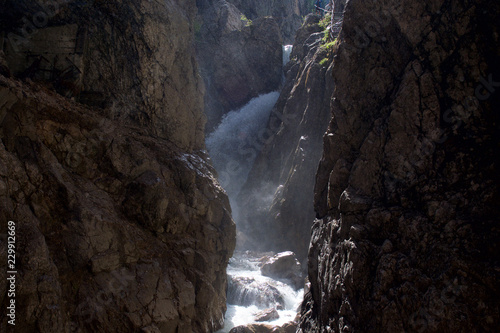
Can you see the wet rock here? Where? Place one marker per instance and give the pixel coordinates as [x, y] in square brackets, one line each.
[265, 328]
[283, 266]
[254, 328]
[266, 315]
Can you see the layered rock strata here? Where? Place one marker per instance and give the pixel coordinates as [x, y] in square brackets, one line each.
[406, 194]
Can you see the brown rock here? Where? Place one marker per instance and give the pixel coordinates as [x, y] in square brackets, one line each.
[264, 328]
[283, 266]
[72, 51]
[121, 225]
[406, 192]
[266, 315]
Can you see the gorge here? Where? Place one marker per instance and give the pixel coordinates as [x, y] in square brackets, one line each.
[175, 166]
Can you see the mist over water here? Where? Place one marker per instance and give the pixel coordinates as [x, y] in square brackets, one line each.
[235, 143]
[233, 147]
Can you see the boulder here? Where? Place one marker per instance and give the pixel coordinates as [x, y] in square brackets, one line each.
[285, 267]
[267, 315]
[254, 328]
[290, 327]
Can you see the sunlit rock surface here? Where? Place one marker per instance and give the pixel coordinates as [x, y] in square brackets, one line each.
[407, 189]
[276, 201]
[121, 225]
[285, 267]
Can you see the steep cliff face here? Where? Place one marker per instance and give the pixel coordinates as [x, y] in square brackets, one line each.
[276, 201]
[407, 189]
[288, 13]
[120, 223]
[239, 59]
[68, 44]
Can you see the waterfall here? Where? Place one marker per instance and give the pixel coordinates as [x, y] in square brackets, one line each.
[233, 147]
[287, 50]
[249, 292]
[235, 143]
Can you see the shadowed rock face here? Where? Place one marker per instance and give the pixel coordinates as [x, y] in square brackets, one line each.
[276, 201]
[239, 59]
[71, 49]
[407, 190]
[288, 13]
[121, 225]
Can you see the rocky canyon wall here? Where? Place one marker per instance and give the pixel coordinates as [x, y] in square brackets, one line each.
[276, 201]
[120, 223]
[239, 49]
[239, 59]
[406, 193]
[288, 13]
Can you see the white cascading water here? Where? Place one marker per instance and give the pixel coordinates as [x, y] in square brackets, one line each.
[249, 292]
[233, 147]
[287, 50]
[235, 143]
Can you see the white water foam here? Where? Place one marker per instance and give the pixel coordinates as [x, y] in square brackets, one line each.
[246, 267]
[235, 143]
[287, 50]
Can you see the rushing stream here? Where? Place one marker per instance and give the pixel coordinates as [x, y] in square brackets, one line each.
[249, 293]
[233, 147]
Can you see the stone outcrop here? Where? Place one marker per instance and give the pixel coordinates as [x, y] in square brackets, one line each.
[277, 195]
[285, 267]
[266, 315]
[406, 193]
[239, 59]
[121, 225]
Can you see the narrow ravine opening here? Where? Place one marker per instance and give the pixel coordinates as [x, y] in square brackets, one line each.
[255, 293]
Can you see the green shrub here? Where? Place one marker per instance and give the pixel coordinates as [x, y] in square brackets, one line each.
[329, 46]
[325, 21]
[324, 62]
[247, 21]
